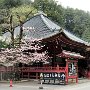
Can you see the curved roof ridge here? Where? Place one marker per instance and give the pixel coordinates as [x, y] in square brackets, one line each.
[40, 13]
[45, 21]
[50, 24]
[75, 38]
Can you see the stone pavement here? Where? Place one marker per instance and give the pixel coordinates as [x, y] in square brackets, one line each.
[34, 85]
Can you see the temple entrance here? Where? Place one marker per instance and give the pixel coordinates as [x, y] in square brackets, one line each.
[64, 68]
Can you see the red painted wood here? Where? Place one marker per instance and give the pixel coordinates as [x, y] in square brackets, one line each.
[42, 69]
[72, 76]
[34, 69]
[45, 69]
[88, 74]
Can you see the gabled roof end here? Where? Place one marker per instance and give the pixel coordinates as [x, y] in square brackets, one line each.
[40, 13]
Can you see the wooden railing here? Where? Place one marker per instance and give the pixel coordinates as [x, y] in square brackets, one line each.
[42, 69]
[33, 69]
[8, 69]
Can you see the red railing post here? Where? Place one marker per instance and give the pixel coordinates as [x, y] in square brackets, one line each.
[66, 71]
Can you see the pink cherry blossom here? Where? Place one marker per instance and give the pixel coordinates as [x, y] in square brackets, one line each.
[9, 57]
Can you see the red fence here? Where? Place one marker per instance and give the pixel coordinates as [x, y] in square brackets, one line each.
[42, 69]
[32, 72]
[33, 69]
[8, 69]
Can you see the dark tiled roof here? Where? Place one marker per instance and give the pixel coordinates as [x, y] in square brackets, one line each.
[44, 28]
[74, 38]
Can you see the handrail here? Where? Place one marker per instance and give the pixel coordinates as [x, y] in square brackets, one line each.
[44, 68]
[8, 69]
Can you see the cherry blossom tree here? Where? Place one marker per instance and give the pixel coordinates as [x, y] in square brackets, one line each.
[24, 54]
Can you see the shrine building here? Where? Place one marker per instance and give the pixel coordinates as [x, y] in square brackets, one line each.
[70, 54]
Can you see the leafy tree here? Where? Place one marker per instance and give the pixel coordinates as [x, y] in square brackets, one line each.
[81, 20]
[7, 25]
[69, 19]
[12, 3]
[86, 35]
[13, 17]
[3, 44]
[27, 2]
[21, 22]
[50, 7]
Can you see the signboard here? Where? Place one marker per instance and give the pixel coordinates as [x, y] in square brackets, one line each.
[53, 76]
[72, 69]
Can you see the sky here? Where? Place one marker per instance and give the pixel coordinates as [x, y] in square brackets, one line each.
[80, 4]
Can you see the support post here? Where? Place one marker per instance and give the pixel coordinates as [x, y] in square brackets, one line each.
[76, 79]
[76, 72]
[41, 76]
[22, 74]
[28, 75]
[36, 75]
[66, 79]
[1, 75]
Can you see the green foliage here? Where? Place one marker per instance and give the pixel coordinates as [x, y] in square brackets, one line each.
[2, 4]
[22, 11]
[3, 44]
[41, 4]
[50, 7]
[81, 21]
[86, 35]
[69, 19]
[27, 2]
[12, 3]
[11, 75]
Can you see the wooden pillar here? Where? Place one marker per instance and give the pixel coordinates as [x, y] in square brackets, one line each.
[76, 71]
[57, 68]
[36, 75]
[88, 69]
[22, 70]
[66, 79]
[1, 75]
[88, 74]
[54, 55]
[22, 74]
[53, 61]
[28, 75]
[76, 79]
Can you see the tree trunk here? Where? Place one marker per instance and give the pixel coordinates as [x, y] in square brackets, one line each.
[21, 33]
[21, 27]
[12, 30]
[12, 38]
